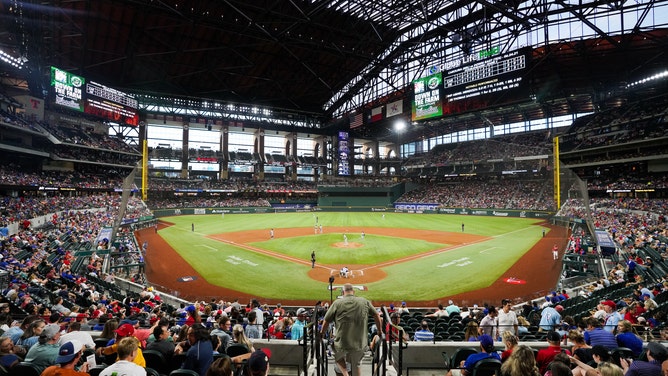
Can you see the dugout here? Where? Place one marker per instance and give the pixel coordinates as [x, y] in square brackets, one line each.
[346, 196]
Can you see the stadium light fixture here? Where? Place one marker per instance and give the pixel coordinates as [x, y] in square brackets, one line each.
[399, 125]
[13, 61]
[657, 76]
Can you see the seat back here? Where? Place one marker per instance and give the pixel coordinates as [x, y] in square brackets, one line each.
[176, 361]
[487, 367]
[95, 371]
[621, 352]
[183, 372]
[236, 349]
[100, 342]
[155, 360]
[460, 355]
[151, 372]
[24, 369]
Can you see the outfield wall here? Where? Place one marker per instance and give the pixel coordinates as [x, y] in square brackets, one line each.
[335, 196]
[415, 208]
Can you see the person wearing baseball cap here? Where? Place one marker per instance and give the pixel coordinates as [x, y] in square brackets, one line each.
[68, 357]
[125, 330]
[486, 352]
[44, 353]
[545, 356]
[297, 331]
[258, 362]
[612, 317]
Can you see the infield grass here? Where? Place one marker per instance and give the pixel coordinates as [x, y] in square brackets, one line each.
[429, 277]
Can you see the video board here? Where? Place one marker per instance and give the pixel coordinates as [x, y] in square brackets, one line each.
[427, 96]
[67, 89]
[474, 84]
[343, 167]
[93, 98]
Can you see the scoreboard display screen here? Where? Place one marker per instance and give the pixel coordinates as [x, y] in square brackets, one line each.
[111, 104]
[67, 89]
[343, 167]
[493, 81]
[427, 97]
[92, 98]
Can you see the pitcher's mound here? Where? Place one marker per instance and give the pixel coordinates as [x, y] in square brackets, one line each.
[348, 245]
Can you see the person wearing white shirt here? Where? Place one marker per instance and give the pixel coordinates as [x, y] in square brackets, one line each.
[507, 318]
[74, 332]
[127, 351]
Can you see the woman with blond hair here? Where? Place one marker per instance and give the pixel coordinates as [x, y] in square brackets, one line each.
[603, 369]
[521, 362]
[239, 336]
[510, 341]
[606, 369]
[627, 337]
[580, 350]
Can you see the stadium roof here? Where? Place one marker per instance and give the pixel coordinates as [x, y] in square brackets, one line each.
[305, 56]
[286, 54]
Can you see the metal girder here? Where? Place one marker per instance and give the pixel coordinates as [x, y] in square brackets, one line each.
[581, 17]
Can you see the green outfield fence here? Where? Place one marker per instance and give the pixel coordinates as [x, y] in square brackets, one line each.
[459, 211]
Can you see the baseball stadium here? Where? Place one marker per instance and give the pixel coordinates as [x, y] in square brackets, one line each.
[485, 177]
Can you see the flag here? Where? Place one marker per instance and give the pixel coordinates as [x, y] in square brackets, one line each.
[394, 108]
[355, 121]
[376, 114]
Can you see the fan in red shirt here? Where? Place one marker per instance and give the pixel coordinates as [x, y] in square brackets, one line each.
[545, 356]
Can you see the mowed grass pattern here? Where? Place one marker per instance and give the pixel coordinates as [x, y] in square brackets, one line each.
[372, 249]
[436, 275]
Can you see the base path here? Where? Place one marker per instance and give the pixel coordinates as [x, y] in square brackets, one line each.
[165, 268]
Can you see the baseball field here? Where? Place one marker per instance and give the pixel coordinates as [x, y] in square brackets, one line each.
[391, 257]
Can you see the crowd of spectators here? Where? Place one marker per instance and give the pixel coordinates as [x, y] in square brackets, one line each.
[198, 202]
[644, 120]
[614, 180]
[357, 182]
[500, 194]
[232, 184]
[99, 156]
[78, 134]
[94, 178]
[28, 207]
[632, 222]
[506, 147]
[42, 280]
[17, 121]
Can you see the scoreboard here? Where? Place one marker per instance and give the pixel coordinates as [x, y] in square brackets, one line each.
[92, 98]
[111, 104]
[475, 82]
[499, 73]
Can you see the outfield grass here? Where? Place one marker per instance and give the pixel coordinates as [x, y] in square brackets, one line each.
[423, 278]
